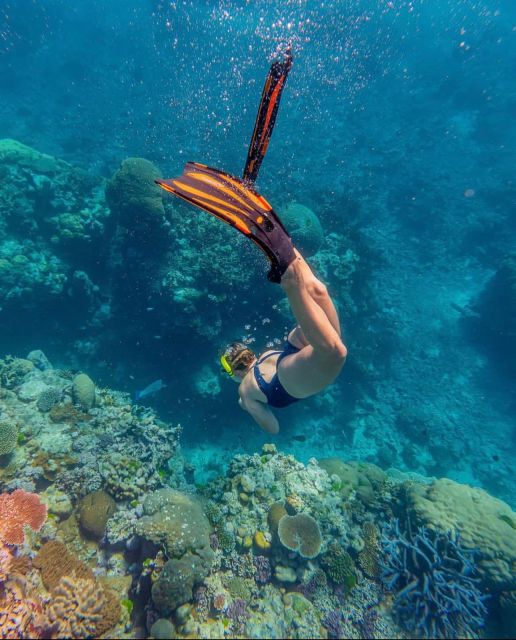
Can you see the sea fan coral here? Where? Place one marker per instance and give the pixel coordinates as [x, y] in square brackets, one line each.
[18, 509]
[436, 595]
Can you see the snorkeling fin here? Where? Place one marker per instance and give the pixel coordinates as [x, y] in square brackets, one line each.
[266, 116]
[238, 204]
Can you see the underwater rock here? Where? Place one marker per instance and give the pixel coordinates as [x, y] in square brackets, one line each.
[363, 478]
[58, 503]
[177, 580]
[83, 391]
[484, 523]
[163, 629]
[95, 509]
[304, 227]
[13, 371]
[177, 521]
[491, 316]
[300, 533]
[39, 360]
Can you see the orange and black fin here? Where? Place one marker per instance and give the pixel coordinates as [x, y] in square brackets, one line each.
[266, 116]
[238, 204]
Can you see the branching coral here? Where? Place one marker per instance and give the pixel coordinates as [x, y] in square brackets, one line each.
[436, 593]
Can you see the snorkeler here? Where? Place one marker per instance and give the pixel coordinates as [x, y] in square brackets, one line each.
[314, 353]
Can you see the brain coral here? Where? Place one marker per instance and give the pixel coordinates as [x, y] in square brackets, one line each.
[300, 533]
[8, 436]
[83, 391]
[483, 522]
[95, 509]
[133, 196]
[304, 227]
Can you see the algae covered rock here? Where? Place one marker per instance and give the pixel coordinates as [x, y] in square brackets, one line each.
[363, 478]
[163, 629]
[304, 227]
[83, 391]
[176, 582]
[176, 521]
[95, 509]
[483, 522]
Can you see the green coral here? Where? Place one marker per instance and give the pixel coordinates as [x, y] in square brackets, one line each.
[226, 539]
[339, 566]
[8, 436]
[213, 513]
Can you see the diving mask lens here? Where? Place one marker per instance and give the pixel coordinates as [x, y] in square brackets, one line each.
[226, 366]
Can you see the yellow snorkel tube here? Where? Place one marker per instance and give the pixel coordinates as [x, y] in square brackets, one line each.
[225, 365]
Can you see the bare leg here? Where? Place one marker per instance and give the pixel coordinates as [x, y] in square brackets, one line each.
[312, 319]
[319, 293]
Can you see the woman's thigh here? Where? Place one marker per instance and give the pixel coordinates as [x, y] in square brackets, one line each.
[305, 373]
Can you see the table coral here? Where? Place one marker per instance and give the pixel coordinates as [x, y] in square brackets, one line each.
[17, 510]
[300, 533]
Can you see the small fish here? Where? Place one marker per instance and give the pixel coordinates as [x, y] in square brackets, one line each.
[299, 438]
[149, 390]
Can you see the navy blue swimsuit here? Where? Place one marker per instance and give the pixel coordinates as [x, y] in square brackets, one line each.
[274, 390]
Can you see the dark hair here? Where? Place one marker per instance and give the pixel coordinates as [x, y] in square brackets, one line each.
[239, 356]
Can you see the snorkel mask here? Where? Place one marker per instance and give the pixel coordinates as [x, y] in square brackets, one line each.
[226, 366]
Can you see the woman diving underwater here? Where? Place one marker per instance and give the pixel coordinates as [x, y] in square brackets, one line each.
[314, 353]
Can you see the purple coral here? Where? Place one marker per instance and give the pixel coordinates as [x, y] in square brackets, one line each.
[333, 622]
[432, 575]
[237, 613]
[263, 572]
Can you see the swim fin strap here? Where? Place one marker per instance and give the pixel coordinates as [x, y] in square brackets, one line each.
[266, 116]
[238, 204]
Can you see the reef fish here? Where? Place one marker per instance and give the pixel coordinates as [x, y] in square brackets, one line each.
[149, 390]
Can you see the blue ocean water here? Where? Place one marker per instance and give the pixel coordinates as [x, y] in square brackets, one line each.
[396, 129]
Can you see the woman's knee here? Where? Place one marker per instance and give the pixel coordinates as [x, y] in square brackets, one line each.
[317, 289]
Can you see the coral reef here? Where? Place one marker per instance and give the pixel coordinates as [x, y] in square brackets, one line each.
[83, 391]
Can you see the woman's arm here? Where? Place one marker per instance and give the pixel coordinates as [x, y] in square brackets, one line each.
[261, 413]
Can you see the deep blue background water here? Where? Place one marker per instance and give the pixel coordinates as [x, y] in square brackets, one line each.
[397, 123]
